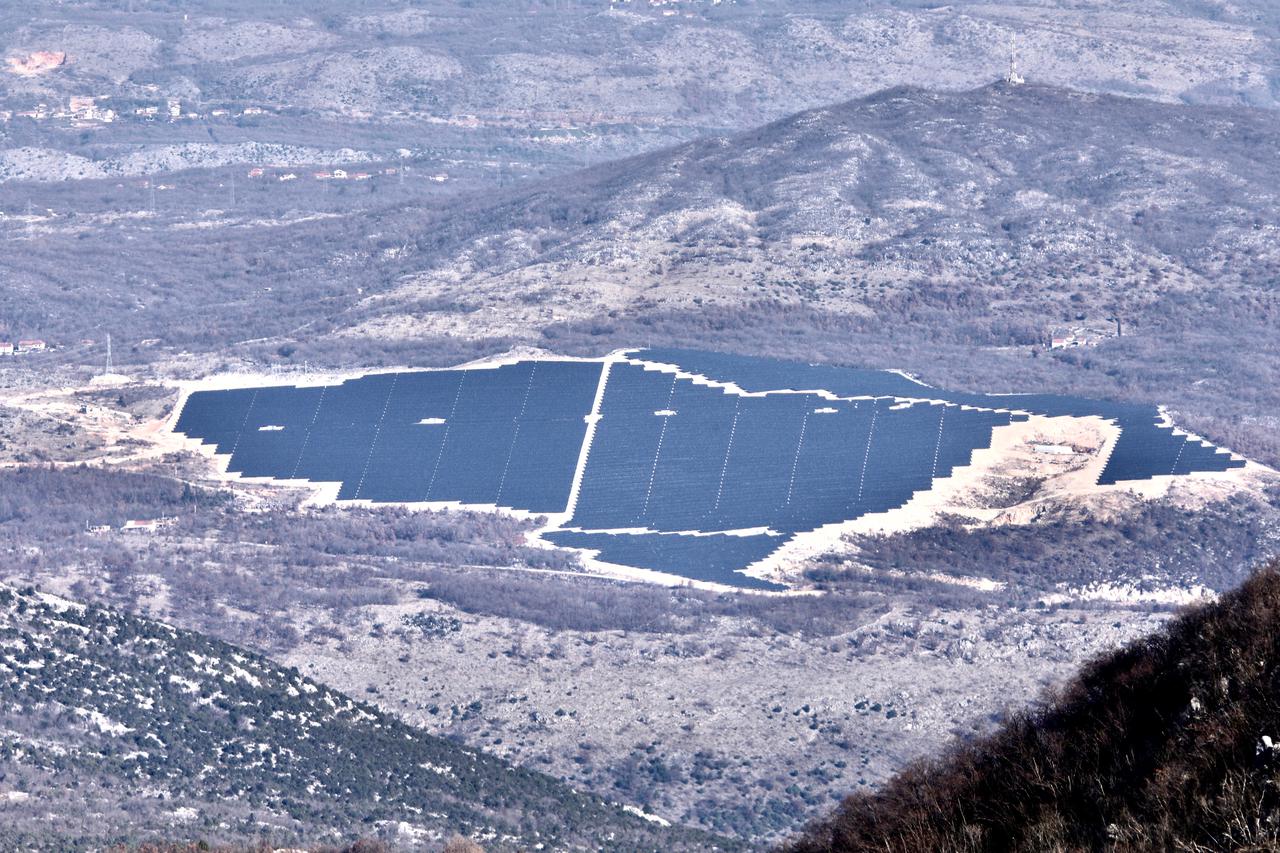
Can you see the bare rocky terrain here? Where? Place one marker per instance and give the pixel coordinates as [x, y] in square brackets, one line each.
[736, 727]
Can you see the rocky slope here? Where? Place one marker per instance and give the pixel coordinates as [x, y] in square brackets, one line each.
[115, 727]
[1009, 209]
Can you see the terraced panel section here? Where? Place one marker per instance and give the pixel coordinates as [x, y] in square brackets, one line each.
[1145, 448]
[713, 559]
[508, 435]
[673, 455]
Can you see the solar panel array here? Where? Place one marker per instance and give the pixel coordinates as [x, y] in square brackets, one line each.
[508, 436]
[701, 464]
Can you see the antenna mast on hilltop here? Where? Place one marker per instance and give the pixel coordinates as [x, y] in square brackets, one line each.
[1014, 78]
[108, 354]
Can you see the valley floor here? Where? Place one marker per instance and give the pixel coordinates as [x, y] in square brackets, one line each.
[647, 717]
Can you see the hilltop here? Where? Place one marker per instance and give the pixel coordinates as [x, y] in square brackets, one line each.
[116, 728]
[1167, 744]
[537, 85]
[1026, 204]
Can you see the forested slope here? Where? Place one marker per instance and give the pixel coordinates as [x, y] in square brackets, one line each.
[1168, 744]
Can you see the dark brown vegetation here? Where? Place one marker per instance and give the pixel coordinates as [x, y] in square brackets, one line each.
[1164, 745]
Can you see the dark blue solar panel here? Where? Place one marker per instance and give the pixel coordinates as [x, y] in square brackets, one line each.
[452, 435]
[759, 470]
[216, 417]
[825, 463]
[716, 558]
[344, 431]
[624, 447]
[901, 458]
[540, 462]
[274, 430]
[478, 434]
[400, 465]
[681, 488]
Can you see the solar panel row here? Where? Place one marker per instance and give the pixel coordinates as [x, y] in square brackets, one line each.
[1145, 449]
[672, 455]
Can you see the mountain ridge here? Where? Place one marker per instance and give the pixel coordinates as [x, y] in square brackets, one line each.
[900, 208]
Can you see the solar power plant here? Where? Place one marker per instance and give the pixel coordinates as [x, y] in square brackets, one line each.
[698, 464]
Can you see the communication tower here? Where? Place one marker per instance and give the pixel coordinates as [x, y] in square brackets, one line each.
[1014, 78]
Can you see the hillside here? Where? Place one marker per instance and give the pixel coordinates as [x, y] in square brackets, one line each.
[1167, 744]
[454, 623]
[1025, 204]
[1004, 210]
[116, 728]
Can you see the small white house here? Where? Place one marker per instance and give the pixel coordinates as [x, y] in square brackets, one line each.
[148, 525]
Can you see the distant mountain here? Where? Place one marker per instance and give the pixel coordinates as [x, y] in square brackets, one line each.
[1018, 206]
[673, 68]
[1026, 203]
[117, 729]
[1168, 744]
